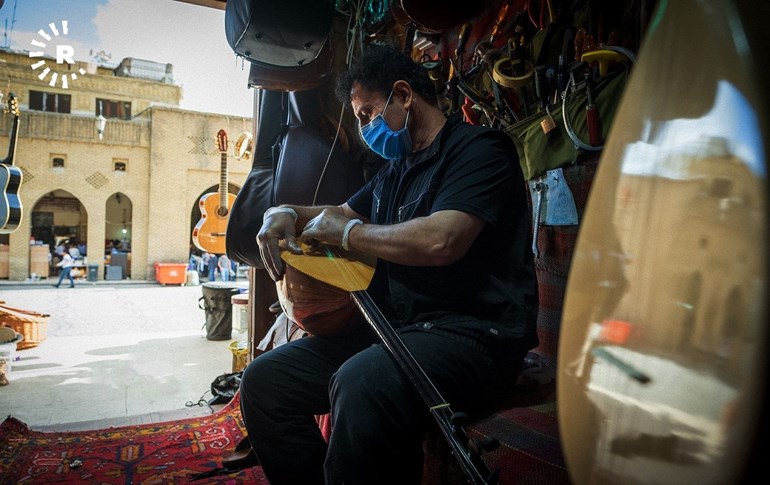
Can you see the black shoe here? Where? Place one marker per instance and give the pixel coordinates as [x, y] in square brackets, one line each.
[242, 457]
[55, 286]
[72, 286]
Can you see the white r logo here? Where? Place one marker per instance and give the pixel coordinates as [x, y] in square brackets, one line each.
[64, 52]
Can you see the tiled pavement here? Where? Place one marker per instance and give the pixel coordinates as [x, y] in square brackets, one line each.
[115, 353]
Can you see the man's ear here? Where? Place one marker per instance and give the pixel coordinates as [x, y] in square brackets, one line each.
[404, 92]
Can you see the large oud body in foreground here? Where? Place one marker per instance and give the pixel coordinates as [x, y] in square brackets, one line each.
[663, 349]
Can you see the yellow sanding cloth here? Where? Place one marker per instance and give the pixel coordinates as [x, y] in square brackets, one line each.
[347, 270]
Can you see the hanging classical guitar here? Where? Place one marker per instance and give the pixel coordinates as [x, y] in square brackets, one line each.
[209, 234]
[11, 177]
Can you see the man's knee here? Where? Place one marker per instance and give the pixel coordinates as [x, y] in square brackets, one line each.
[257, 376]
[369, 376]
[360, 369]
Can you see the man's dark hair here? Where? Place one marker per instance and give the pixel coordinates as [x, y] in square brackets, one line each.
[380, 67]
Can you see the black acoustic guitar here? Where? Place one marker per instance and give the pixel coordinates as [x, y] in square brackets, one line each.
[11, 177]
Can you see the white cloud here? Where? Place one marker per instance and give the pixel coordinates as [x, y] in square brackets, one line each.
[190, 37]
[22, 40]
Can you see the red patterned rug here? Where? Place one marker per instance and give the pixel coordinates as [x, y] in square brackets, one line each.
[173, 452]
[161, 453]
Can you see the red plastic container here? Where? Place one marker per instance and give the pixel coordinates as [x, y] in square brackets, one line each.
[171, 273]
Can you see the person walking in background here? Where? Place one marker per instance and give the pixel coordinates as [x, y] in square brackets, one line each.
[59, 251]
[66, 267]
[73, 250]
[203, 263]
[224, 267]
[213, 267]
[115, 247]
[233, 270]
[194, 262]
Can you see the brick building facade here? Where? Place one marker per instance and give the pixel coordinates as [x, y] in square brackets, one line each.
[139, 182]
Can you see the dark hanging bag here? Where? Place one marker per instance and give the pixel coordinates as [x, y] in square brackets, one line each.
[285, 41]
[294, 163]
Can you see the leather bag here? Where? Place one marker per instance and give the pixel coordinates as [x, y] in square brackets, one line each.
[295, 163]
[287, 41]
[540, 152]
[294, 78]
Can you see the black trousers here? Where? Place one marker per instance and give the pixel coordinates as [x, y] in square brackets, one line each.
[378, 418]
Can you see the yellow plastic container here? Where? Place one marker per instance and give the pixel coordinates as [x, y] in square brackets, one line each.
[240, 355]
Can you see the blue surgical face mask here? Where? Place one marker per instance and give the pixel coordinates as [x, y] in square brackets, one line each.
[385, 142]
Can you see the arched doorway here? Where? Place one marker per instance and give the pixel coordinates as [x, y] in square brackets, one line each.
[56, 219]
[118, 233]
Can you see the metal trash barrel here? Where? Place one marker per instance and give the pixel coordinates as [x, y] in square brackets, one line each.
[216, 302]
[93, 272]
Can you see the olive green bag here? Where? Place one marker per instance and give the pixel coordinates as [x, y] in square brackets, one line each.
[540, 152]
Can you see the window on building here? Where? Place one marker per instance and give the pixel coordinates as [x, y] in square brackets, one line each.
[58, 160]
[120, 164]
[113, 109]
[53, 102]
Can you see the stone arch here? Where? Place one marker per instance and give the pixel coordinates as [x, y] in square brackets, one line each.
[118, 234]
[57, 217]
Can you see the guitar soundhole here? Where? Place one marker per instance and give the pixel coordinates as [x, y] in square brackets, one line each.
[222, 211]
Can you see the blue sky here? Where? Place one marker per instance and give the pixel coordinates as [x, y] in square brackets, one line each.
[190, 37]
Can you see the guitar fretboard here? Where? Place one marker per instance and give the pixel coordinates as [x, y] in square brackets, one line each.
[13, 108]
[223, 181]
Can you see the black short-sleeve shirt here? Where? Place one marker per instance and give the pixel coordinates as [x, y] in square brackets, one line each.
[467, 168]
